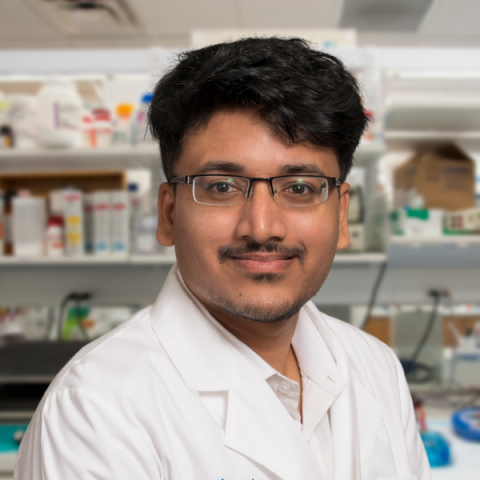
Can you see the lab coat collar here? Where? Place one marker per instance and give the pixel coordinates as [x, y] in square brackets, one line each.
[178, 320]
[355, 415]
[257, 424]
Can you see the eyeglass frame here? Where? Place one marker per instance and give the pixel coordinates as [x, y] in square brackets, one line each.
[188, 179]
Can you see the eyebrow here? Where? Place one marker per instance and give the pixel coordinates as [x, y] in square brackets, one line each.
[221, 166]
[302, 168]
[237, 168]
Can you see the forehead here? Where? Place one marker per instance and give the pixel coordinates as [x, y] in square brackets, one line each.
[242, 137]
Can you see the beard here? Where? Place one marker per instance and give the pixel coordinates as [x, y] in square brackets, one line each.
[265, 312]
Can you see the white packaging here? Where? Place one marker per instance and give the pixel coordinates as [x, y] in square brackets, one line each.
[22, 117]
[73, 222]
[55, 198]
[54, 238]
[28, 226]
[101, 223]
[120, 222]
[146, 235]
[59, 114]
[88, 222]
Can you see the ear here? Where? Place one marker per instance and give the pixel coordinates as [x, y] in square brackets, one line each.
[343, 233]
[166, 204]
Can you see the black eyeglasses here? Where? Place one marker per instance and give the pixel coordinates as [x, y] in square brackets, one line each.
[228, 190]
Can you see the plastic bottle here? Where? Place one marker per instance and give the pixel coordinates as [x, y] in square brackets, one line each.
[6, 133]
[120, 222]
[59, 114]
[140, 132]
[135, 211]
[6, 140]
[101, 223]
[102, 127]
[73, 221]
[22, 117]
[54, 237]
[28, 225]
[122, 133]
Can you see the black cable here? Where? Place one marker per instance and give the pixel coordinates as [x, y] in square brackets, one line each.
[428, 330]
[373, 296]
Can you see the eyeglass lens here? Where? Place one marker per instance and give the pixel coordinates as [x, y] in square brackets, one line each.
[295, 191]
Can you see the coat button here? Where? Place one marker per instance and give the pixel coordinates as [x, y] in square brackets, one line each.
[284, 388]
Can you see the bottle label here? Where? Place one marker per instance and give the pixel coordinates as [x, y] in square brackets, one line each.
[66, 116]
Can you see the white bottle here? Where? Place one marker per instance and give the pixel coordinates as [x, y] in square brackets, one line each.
[101, 223]
[140, 132]
[88, 206]
[22, 117]
[59, 114]
[73, 222]
[54, 238]
[28, 226]
[120, 222]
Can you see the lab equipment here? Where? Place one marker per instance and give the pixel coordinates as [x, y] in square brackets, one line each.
[101, 223]
[120, 222]
[437, 448]
[28, 225]
[22, 117]
[466, 423]
[73, 221]
[59, 114]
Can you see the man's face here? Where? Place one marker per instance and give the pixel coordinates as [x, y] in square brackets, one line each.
[258, 260]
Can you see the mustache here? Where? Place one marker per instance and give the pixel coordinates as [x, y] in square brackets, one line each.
[229, 251]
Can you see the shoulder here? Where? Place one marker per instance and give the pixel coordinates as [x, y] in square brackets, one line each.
[112, 360]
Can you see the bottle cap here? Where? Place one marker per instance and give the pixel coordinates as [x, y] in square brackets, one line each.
[124, 109]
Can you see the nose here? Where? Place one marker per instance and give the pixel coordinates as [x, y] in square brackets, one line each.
[262, 218]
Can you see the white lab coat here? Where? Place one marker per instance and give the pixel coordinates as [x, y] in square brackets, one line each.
[165, 396]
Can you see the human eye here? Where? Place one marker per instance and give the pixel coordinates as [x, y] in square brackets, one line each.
[299, 187]
[222, 186]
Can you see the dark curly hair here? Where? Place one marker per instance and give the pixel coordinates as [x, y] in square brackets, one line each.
[303, 94]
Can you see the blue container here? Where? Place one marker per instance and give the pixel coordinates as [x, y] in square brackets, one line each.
[466, 423]
[10, 436]
[436, 446]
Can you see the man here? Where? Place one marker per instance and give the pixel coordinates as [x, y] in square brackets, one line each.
[233, 373]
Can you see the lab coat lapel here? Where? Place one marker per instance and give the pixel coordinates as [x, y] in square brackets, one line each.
[257, 425]
[354, 416]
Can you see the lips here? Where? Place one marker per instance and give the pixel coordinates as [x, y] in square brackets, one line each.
[263, 262]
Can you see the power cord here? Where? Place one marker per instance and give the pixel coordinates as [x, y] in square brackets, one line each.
[417, 372]
[373, 296]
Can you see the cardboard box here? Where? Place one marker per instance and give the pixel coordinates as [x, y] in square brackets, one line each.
[442, 177]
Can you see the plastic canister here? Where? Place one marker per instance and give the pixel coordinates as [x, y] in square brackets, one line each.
[122, 133]
[22, 117]
[59, 114]
[28, 226]
[54, 238]
[140, 132]
[102, 127]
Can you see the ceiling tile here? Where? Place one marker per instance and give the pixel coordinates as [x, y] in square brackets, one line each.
[179, 17]
[288, 13]
[453, 17]
[19, 20]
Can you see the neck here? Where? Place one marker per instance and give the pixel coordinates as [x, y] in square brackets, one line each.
[271, 341]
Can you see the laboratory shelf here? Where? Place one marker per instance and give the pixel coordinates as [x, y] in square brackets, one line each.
[367, 152]
[459, 251]
[14, 160]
